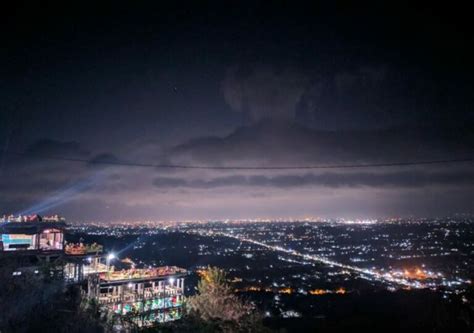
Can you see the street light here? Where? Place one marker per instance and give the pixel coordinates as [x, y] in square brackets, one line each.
[110, 257]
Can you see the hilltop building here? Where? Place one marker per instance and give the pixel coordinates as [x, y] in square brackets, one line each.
[37, 245]
[33, 243]
[32, 234]
[147, 296]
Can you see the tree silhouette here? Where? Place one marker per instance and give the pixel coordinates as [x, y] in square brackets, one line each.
[218, 308]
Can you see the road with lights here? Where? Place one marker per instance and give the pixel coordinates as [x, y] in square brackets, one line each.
[369, 274]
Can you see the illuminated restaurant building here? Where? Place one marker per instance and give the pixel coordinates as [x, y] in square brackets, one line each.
[29, 242]
[32, 234]
[147, 296]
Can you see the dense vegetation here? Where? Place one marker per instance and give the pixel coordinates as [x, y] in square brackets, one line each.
[35, 302]
[216, 308]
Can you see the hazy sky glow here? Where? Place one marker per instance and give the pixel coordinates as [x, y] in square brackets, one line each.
[220, 86]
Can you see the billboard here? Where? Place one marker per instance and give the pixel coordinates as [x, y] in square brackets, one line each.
[17, 242]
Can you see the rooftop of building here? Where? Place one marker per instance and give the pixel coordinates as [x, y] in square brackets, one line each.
[30, 224]
[31, 218]
[157, 273]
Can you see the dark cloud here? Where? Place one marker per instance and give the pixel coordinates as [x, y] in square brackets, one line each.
[407, 179]
[270, 142]
[165, 182]
[263, 91]
[103, 160]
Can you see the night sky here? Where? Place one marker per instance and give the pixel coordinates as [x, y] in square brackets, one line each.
[260, 83]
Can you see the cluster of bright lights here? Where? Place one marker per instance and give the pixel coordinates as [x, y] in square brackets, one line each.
[359, 221]
[373, 274]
